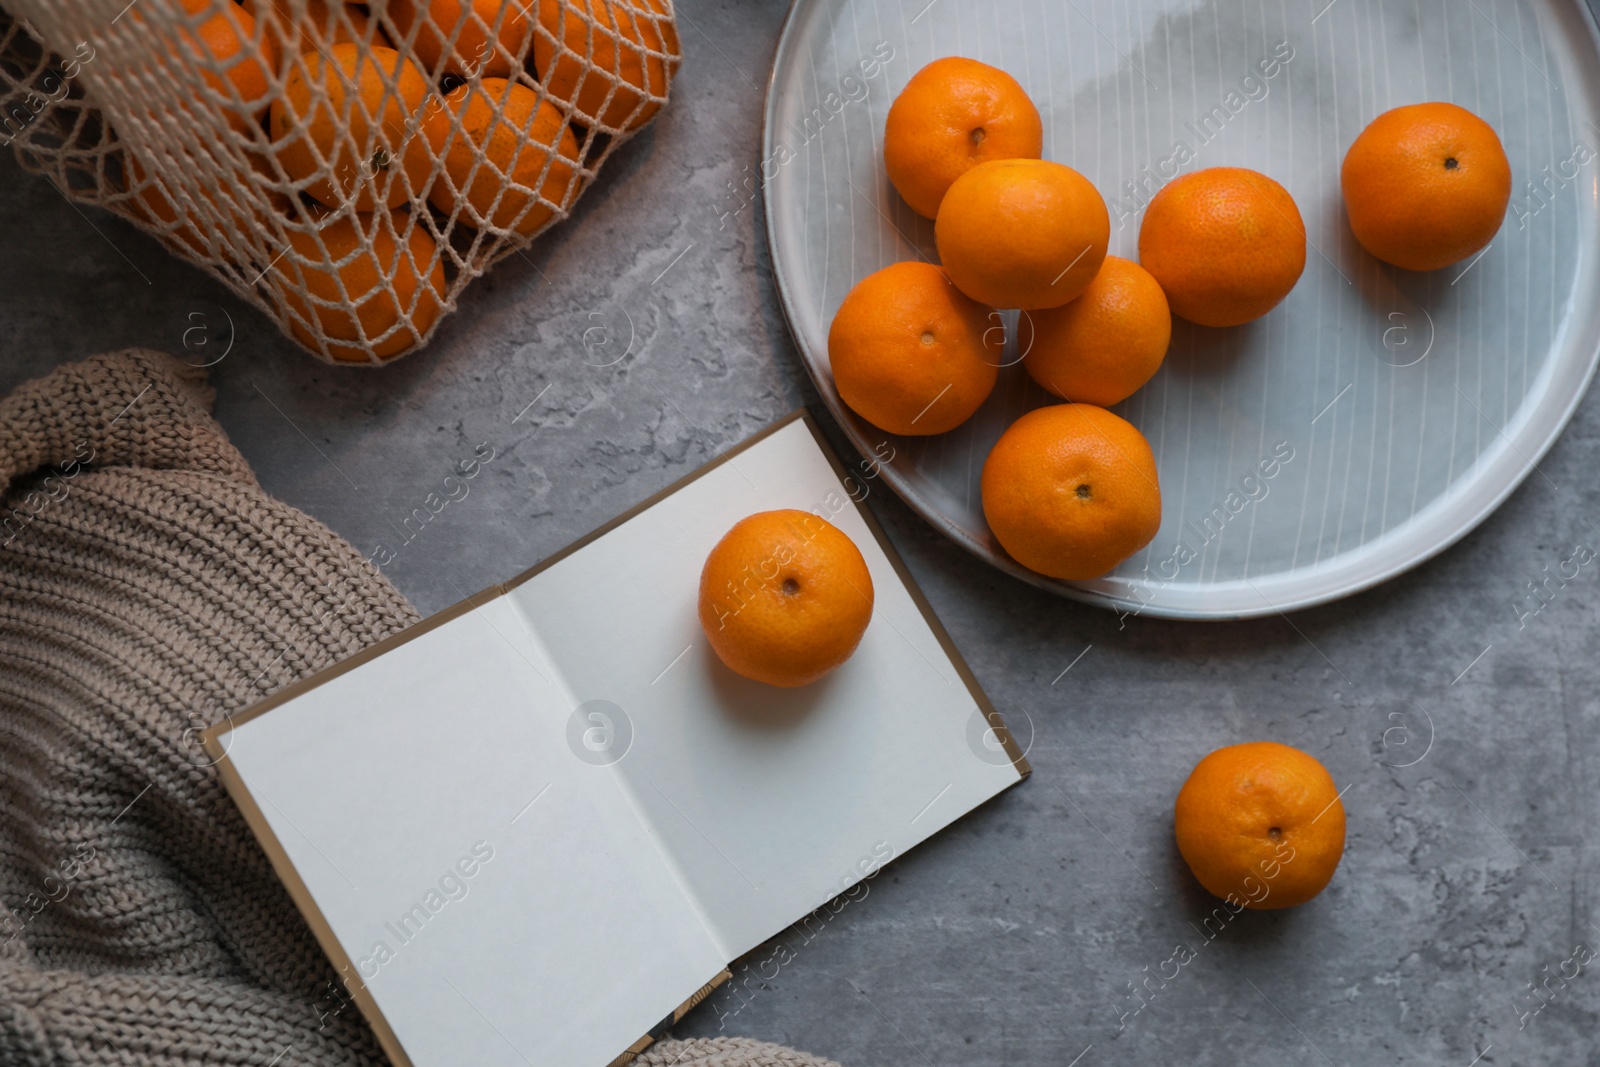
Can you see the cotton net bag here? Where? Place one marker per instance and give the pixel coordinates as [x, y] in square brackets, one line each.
[347, 168]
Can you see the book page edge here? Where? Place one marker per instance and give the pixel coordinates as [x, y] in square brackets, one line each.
[303, 901]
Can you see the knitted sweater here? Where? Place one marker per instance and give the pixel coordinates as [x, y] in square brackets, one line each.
[148, 587]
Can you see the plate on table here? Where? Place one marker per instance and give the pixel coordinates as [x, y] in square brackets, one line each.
[1374, 417]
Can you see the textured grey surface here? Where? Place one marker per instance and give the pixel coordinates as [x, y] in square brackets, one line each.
[1013, 937]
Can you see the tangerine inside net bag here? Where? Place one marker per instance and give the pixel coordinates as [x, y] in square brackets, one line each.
[347, 168]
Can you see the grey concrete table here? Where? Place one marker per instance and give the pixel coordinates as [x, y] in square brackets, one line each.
[1463, 725]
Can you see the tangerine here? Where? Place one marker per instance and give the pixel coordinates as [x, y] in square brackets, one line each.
[503, 158]
[1426, 186]
[396, 292]
[1226, 244]
[952, 115]
[1022, 233]
[1070, 491]
[1260, 824]
[363, 126]
[491, 37]
[230, 38]
[785, 597]
[153, 202]
[1102, 347]
[610, 60]
[910, 353]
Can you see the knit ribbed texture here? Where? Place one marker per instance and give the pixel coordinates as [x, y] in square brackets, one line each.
[726, 1052]
[149, 588]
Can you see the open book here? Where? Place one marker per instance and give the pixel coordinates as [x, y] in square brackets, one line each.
[535, 825]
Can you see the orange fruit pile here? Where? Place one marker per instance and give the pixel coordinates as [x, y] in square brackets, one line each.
[1261, 825]
[785, 597]
[471, 108]
[914, 348]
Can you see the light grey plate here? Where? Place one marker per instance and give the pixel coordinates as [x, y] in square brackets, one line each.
[1394, 411]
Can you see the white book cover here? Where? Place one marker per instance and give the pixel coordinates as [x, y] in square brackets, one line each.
[533, 826]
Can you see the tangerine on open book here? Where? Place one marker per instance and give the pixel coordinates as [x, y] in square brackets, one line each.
[606, 58]
[360, 139]
[529, 148]
[785, 597]
[1070, 491]
[952, 115]
[1426, 186]
[1226, 244]
[1261, 825]
[910, 353]
[1022, 233]
[491, 37]
[389, 285]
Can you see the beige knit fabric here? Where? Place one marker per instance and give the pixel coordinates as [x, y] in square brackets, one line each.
[726, 1052]
[148, 587]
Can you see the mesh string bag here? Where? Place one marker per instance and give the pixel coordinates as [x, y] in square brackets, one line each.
[349, 169]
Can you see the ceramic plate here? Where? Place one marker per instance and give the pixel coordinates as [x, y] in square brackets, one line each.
[1368, 422]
